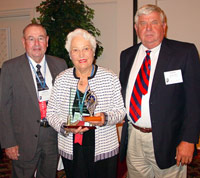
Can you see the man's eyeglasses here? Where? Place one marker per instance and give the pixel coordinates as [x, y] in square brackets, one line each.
[40, 39]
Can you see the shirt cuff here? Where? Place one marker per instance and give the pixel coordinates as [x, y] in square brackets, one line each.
[63, 131]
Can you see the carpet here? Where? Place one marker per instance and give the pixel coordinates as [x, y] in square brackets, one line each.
[5, 167]
[193, 168]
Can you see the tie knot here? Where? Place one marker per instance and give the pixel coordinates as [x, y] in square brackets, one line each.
[148, 52]
[38, 66]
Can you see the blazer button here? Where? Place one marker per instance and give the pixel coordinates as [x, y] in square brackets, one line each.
[38, 121]
[36, 136]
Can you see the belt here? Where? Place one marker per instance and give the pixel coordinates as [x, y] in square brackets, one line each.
[44, 123]
[142, 129]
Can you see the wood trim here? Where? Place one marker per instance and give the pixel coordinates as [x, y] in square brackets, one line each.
[135, 7]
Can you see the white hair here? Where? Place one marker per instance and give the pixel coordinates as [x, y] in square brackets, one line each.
[149, 8]
[80, 32]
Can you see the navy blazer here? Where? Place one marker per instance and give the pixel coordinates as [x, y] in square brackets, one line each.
[174, 108]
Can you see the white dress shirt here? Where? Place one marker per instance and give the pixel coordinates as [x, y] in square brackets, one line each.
[145, 120]
[48, 77]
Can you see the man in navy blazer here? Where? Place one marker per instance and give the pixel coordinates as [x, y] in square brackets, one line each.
[28, 140]
[161, 142]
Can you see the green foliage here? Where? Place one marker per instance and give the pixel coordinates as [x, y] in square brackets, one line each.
[60, 17]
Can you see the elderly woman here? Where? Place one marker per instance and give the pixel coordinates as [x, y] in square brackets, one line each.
[85, 151]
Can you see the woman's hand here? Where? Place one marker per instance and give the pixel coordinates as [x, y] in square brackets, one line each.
[76, 130]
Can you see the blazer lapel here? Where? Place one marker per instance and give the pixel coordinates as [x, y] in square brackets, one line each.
[52, 68]
[163, 60]
[128, 66]
[28, 79]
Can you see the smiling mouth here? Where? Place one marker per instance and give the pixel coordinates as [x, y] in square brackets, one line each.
[82, 60]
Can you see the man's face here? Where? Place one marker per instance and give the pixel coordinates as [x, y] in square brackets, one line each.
[150, 29]
[35, 42]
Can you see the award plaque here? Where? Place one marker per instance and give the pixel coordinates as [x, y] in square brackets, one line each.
[75, 119]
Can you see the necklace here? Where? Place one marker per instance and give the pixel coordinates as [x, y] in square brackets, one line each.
[81, 103]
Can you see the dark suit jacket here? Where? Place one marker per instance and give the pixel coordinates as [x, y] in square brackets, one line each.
[20, 114]
[175, 108]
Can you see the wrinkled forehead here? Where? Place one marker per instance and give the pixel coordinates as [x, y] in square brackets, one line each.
[152, 16]
[35, 31]
[149, 11]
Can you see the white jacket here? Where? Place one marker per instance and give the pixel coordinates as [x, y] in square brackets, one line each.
[106, 87]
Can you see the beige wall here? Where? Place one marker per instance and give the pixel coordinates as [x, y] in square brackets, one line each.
[182, 18]
[114, 19]
[18, 4]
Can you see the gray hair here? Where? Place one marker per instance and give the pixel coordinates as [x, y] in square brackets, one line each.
[33, 25]
[149, 8]
[80, 32]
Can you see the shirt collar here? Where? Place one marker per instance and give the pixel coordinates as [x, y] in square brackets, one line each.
[34, 63]
[153, 50]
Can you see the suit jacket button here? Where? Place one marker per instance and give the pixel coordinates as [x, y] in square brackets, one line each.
[36, 136]
[38, 121]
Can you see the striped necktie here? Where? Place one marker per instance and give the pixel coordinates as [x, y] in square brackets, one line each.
[140, 88]
[41, 82]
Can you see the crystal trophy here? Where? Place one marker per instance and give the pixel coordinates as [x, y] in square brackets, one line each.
[75, 119]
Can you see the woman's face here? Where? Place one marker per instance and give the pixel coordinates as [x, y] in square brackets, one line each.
[81, 53]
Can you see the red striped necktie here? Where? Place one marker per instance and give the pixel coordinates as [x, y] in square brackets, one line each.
[140, 88]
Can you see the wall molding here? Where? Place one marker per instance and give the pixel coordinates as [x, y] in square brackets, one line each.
[18, 13]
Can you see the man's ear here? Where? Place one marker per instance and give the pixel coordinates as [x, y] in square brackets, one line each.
[136, 29]
[47, 38]
[23, 41]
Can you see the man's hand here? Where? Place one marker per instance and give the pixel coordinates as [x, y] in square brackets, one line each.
[12, 152]
[184, 153]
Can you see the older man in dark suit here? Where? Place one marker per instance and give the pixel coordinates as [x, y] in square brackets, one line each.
[26, 83]
[160, 81]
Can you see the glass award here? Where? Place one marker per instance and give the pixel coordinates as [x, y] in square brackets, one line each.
[75, 119]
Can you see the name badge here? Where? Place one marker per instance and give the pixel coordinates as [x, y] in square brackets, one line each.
[173, 77]
[44, 95]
